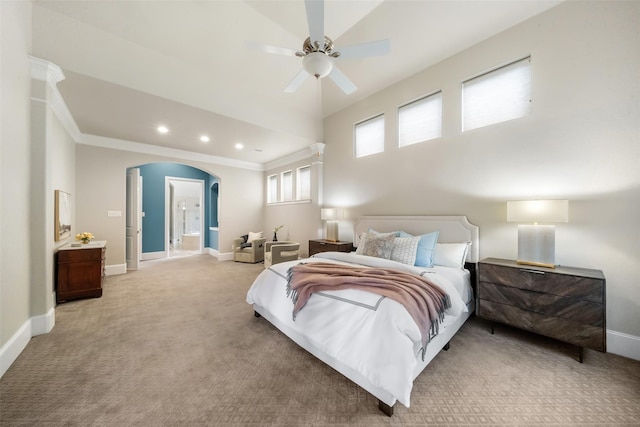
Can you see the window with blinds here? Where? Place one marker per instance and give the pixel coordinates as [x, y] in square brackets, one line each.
[420, 120]
[497, 96]
[272, 189]
[303, 187]
[287, 186]
[369, 136]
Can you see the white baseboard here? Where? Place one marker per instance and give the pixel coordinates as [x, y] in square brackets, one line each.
[147, 256]
[623, 344]
[36, 325]
[112, 270]
[228, 256]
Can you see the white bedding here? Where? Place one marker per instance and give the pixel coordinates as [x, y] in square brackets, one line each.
[371, 335]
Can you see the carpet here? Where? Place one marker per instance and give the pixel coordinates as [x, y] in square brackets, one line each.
[175, 344]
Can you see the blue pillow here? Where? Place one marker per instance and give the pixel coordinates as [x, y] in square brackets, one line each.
[426, 247]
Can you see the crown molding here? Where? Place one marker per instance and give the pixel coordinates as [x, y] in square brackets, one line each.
[45, 71]
[50, 73]
[313, 149]
[137, 147]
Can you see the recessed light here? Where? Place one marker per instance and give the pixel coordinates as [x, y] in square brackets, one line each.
[204, 138]
[163, 129]
[239, 146]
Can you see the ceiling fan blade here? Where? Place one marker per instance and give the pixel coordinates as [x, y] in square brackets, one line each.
[315, 19]
[269, 49]
[363, 50]
[342, 81]
[297, 81]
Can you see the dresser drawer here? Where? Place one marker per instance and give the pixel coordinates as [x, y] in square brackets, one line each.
[576, 333]
[78, 255]
[547, 304]
[579, 287]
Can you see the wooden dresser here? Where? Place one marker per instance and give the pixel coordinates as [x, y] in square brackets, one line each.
[565, 303]
[317, 246]
[80, 271]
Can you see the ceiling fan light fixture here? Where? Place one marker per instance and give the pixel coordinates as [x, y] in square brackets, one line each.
[317, 64]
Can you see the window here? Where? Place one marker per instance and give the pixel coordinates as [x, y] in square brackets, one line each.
[287, 186]
[497, 96]
[420, 120]
[272, 188]
[369, 136]
[303, 187]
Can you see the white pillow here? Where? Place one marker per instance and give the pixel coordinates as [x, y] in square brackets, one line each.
[405, 249]
[254, 236]
[451, 254]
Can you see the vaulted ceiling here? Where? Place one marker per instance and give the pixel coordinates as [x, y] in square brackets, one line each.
[133, 65]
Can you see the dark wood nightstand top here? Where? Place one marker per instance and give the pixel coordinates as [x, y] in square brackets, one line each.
[321, 245]
[559, 269]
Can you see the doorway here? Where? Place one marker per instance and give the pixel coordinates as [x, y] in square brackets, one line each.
[184, 216]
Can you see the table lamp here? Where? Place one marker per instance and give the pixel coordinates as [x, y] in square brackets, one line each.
[332, 217]
[536, 243]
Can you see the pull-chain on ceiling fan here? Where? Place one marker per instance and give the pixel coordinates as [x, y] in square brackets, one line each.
[318, 55]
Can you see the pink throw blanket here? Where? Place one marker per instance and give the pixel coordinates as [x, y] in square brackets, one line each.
[425, 301]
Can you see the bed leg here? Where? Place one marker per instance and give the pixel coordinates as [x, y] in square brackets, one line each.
[446, 346]
[388, 410]
[255, 313]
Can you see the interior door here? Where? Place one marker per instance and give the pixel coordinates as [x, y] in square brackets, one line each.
[134, 219]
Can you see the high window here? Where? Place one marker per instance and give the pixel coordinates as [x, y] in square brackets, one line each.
[272, 188]
[303, 181]
[498, 95]
[369, 136]
[287, 186]
[420, 120]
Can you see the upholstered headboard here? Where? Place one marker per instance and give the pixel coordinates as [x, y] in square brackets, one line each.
[452, 229]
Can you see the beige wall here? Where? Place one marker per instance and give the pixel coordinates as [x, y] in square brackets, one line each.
[15, 39]
[38, 157]
[101, 185]
[581, 143]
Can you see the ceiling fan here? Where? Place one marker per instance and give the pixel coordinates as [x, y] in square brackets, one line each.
[318, 54]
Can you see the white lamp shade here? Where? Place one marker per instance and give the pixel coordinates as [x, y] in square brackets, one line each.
[538, 211]
[330, 214]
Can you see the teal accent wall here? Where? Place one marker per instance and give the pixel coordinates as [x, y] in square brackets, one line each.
[153, 202]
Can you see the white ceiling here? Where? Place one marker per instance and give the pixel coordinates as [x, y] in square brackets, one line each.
[132, 65]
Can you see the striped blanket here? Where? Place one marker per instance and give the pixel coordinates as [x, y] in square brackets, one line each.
[425, 301]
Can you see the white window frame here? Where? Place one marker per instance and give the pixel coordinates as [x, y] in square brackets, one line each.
[372, 129]
[303, 184]
[420, 120]
[498, 95]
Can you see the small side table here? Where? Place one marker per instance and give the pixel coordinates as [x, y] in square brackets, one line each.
[321, 245]
[80, 271]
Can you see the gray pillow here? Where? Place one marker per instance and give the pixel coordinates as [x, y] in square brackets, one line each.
[378, 245]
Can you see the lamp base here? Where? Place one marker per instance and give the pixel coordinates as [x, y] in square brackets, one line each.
[536, 264]
[537, 245]
[332, 231]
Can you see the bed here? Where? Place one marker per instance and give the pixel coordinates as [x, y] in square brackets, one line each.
[371, 339]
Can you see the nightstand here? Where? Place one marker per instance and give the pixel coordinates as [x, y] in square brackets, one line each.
[317, 246]
[565, 303]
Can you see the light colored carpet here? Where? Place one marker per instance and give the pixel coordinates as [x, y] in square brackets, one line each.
[176, 344]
